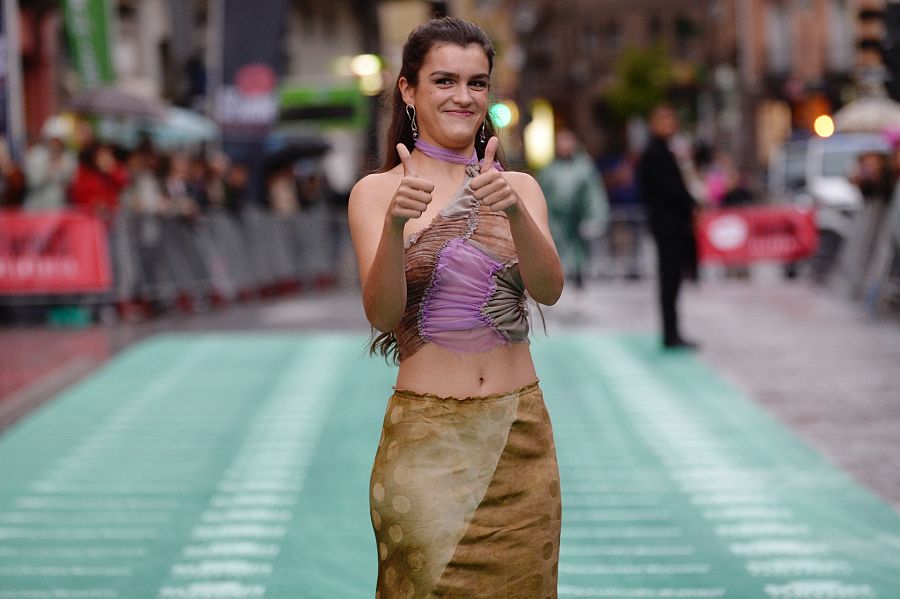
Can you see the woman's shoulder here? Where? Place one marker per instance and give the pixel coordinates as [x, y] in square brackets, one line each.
[376, 181]
[522, 182]
[375, 189]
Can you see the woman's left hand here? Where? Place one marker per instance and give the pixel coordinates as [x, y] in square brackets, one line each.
[490, 187]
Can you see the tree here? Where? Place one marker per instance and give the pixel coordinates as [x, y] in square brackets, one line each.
[643, 77]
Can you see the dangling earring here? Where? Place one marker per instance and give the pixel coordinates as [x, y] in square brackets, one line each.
[411, 113]
[482, 136]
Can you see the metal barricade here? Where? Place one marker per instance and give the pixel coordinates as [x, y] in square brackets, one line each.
[619, 252]
[218, 257]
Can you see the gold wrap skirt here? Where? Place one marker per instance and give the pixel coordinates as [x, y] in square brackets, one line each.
[465, 497]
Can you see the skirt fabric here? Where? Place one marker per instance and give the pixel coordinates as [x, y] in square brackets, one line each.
[465, 497]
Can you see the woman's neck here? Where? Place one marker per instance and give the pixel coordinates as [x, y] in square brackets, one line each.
[453, 155]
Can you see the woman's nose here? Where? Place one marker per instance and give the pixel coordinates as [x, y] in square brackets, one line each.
[462, 94]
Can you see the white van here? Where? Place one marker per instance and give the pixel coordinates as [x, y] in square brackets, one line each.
[817, 171]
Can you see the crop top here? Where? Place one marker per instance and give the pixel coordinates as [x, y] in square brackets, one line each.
[463, 287]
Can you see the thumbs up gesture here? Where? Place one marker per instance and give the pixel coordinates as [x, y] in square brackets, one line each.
[490, 186]
[414, 193]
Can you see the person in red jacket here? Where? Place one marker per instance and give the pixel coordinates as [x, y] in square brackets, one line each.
[98, 181]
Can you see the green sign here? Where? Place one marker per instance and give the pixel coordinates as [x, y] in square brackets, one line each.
[88, 24]
[336, 107]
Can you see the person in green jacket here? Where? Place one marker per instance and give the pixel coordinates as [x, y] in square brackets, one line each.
[576, 201]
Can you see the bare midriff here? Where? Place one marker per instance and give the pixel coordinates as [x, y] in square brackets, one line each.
[437, 370]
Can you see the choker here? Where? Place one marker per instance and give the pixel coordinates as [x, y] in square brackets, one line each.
[445, 155]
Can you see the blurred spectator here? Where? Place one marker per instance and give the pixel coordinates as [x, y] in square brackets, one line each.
[874, 177]
[576, 201]
[174, 171]
[144, 199]
[185, 236]
[216, 189]
[49, 168]
[284, 197]
[716, 170]
[143, 195]
[738, 191]
[98, 182]
[237, 184]
[626, 225]
[320, 238]
[12, 180]
[670, 209]
[198, 181]
[312, 185]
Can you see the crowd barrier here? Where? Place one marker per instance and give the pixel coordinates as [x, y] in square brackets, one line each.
[155, 262]
[740, 236]
[168, 260]
[870, 261]
[869, 257]
[620, 251]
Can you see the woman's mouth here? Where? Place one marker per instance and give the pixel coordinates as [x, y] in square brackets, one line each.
[461, 113]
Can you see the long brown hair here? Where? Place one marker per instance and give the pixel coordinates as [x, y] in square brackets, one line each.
[421, 40]
[419, 43]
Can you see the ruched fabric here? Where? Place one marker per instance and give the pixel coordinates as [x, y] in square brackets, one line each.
[463, 287]
[464, 281]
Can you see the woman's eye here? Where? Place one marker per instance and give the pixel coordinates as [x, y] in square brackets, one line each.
[444, 82]
[478, 84]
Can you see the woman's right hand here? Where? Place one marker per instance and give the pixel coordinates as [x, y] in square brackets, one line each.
[412, 196]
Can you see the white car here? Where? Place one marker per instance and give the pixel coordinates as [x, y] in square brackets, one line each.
[829, 163]
[817, 171]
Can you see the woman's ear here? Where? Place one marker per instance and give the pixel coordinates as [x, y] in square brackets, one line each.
[407, 91]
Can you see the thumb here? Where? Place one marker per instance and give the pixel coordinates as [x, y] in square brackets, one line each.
[490, 150]
[406, 160]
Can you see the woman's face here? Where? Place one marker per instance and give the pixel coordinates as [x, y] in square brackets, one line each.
[451, 98]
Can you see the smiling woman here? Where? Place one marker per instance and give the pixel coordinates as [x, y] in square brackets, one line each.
[465, 493]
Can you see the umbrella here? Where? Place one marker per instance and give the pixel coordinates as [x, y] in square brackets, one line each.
[113, 102]
[178, 128]
[181, 127]
[868, 114]
[294, 151]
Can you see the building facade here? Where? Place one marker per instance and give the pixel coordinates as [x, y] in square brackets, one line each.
[746, 73]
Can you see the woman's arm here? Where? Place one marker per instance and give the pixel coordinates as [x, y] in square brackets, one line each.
[378, 211]
[519, 195]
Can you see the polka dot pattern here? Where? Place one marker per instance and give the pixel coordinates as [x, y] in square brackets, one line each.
[376, 519]
[378, 492]
[401, 503]
[396, 533]
[447, 469]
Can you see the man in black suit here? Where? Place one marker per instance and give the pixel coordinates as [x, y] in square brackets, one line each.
[670, 210]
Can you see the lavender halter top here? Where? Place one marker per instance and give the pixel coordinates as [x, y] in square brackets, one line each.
[464, 290]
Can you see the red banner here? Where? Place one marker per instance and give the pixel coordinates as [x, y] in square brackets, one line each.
[53, 253]
[744, 235]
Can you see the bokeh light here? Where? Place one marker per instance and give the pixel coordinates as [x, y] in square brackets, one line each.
[501, 115]
[824, 126]
[539, 135]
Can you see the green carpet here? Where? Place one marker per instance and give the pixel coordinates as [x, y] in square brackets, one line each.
[236, 466]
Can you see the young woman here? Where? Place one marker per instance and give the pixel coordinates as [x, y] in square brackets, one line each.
[464, 495]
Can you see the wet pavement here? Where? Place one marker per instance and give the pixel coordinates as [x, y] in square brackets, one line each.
[811, 358]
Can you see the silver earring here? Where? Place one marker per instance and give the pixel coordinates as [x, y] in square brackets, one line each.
[482, 136]
[411, 113]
